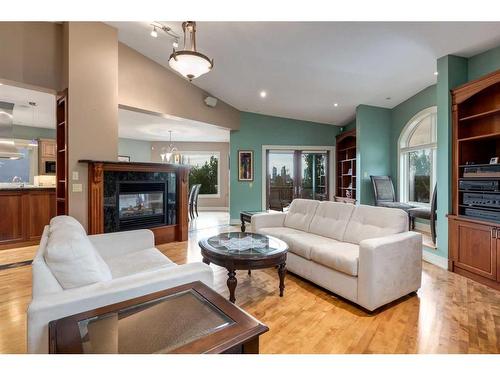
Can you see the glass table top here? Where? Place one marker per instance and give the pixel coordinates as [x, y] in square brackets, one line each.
[246, 245]
[157, 326]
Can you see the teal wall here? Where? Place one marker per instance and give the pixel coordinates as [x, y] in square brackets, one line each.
[373, 145]
[30, 132]
[483, 63]
[400, 116]
[257, 130]
[137, 150]
[350, 126]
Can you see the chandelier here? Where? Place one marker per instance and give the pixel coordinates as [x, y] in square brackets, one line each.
[167, 152]
[189, 62]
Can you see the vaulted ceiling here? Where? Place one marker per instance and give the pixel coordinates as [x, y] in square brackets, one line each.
[306, 67]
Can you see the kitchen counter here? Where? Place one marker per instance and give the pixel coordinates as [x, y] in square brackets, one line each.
[4, 188]
[25, 213]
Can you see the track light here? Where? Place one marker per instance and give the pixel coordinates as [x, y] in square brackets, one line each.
[154, 34]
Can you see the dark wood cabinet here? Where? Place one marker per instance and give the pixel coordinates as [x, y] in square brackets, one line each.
[25, 214]
[11, 224]
[474, 247]
[474, 230]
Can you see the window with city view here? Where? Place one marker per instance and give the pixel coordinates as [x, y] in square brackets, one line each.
[418, 158]
[296, 174]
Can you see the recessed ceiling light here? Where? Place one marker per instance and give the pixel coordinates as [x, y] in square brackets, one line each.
[263, 94]
[436, 73]
[1, 84]
[335, 104]
[154, 33]
[175, 44]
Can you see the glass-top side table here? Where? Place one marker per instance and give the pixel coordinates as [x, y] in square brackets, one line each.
[186, 319]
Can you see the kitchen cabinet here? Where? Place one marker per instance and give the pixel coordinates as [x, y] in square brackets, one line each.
[25, 212]
[47, 152]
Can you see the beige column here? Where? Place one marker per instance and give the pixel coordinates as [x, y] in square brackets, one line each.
[91, 65]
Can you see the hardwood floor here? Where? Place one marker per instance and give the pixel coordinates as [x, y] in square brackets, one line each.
[450, 314]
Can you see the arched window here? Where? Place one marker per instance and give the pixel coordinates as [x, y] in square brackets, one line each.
[417, 158]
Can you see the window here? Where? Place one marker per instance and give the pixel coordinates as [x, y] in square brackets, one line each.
[417, 158]
[204, 171]
[21, 170]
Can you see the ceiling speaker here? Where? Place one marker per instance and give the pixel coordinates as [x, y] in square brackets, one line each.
[211, 101]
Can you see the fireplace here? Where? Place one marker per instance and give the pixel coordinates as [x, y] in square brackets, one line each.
[141, 204]
[125, 196]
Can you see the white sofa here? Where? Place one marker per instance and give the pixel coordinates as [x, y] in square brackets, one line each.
[363, 253]
[129, 266]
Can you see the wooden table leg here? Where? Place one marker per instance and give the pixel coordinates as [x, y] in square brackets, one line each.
[281, 273]
[249, 273]
[231, 284]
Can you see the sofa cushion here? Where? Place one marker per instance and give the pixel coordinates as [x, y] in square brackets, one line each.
[300, 214]
[331, 219]
[302, 243]
[137, 262]
[73, 260]
[278, 232]
[340, 256]
[372, 222]
[65, 223]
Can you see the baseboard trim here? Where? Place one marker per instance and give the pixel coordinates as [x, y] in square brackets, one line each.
[213, 208]
[435, 259]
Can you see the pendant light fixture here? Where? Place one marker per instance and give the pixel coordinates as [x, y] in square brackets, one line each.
[189, 62]
[167, 152]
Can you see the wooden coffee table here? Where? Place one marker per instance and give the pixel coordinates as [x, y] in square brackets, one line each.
[245, 251]
[191, 318]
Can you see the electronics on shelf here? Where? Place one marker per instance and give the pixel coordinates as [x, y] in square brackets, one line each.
[479, 191]
[485, 185]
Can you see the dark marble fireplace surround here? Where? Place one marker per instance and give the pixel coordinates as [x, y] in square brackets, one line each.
[112, 181]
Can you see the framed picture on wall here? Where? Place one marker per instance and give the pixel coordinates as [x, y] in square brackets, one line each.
[123, 158]
[245, 165]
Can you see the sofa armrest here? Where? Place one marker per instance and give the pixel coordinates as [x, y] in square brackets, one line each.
[119, 243]
[47, 308]
[266, 220]
[389, 268]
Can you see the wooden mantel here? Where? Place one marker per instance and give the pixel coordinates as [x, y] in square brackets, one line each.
[163, 234]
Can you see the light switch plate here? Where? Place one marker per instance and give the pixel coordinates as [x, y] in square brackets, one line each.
[77, 188]
[75, 176]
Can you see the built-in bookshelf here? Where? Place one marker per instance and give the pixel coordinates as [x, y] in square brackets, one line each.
[474, 224]
[62, 153]
[346, 167]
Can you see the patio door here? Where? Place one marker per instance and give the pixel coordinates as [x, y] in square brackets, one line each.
[295, 174]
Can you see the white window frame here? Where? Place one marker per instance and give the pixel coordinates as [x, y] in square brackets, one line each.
[404, 151]
[217, 155]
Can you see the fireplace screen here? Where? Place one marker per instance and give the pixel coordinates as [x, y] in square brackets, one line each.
[132, 205]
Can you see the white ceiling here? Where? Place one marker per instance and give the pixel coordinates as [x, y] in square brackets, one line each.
[305, 67]
[41, 115]
[152, 127]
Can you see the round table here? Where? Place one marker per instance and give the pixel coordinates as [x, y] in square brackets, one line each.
[245, 251]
